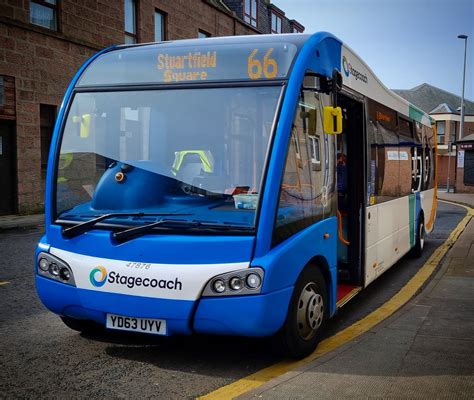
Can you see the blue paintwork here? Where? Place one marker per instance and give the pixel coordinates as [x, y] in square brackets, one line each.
[418, 210]
[89, 304]
[261, 315]
[284, 263]
[161, 249]
[257, 315]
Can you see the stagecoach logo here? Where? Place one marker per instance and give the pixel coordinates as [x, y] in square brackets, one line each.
[102, 277]
[99, 275]
[349, 70]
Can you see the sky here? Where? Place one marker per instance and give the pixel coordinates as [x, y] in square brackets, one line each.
[404, 42]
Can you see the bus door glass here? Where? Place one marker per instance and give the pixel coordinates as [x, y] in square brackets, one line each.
[307, 193]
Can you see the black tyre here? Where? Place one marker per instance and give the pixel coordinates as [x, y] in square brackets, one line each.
[417, 251]
[306, 318]
[82, 325]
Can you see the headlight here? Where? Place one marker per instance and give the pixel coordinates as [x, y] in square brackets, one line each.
[235, 283]
[253, 281]
[43, 264]
[218, 285]
[54, 268]
[65, 274]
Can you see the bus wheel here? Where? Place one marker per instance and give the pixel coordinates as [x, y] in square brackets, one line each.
[306, 318]
[417, 251]
[82, 325]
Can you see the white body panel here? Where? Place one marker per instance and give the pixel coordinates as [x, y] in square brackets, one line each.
[388, 236]
[192, 277]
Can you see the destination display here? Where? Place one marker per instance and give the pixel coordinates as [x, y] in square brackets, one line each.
[181, 64]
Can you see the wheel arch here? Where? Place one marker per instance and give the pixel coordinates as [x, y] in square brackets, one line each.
[322, 264]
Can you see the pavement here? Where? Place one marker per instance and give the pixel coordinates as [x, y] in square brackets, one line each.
[462, 198]
[8, 222]
[425, 350]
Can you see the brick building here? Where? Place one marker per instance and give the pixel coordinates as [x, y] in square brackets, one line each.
[44, 42]
[444, 108]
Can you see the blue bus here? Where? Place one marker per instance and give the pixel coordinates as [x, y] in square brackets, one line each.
[236, 186]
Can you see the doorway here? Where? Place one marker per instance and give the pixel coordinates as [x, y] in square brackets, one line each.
[351, 166]
[7, 168]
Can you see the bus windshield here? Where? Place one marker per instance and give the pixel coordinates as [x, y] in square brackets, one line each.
[197, 152]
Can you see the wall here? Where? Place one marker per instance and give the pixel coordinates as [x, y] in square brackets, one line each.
[443, 171]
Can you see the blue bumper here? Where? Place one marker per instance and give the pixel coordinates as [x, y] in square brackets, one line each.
[259, 315]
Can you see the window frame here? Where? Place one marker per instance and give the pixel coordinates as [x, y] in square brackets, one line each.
[278, 17]
[204, 34]
[164, 24]
[133, 35]
[441, 135]
[315, 147]
[56, 9]
[248, 15]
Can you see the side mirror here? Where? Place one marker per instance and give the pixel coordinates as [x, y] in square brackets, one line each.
[85, 121]
[332, 120]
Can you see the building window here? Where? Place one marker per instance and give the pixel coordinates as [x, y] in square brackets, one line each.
[160, 26]
[47, 117]
[44, 13]
[130, 8]
[453, 134]
[440, 131]
[296, 30]
[250, 12]
[203, 34]
[276, 23]
[314, 149]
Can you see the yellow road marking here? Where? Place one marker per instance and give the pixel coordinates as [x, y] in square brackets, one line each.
[4, 283]
[257, 379]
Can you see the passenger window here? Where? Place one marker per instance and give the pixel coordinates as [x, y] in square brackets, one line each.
[416, 157]
[307, 193]
[383, 169]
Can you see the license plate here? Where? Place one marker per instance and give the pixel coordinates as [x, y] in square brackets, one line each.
[144, 325]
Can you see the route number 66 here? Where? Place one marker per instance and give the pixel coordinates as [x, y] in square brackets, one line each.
[255, 67]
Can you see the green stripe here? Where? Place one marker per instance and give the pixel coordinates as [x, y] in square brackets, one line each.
[411, 212]
[416, 113]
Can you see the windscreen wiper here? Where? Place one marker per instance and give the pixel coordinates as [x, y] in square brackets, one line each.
[132, 233]
[83, 227]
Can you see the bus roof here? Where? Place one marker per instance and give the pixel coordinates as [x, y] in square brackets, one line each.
[238, 58]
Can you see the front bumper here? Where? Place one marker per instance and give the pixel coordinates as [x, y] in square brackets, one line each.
[255, 315]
